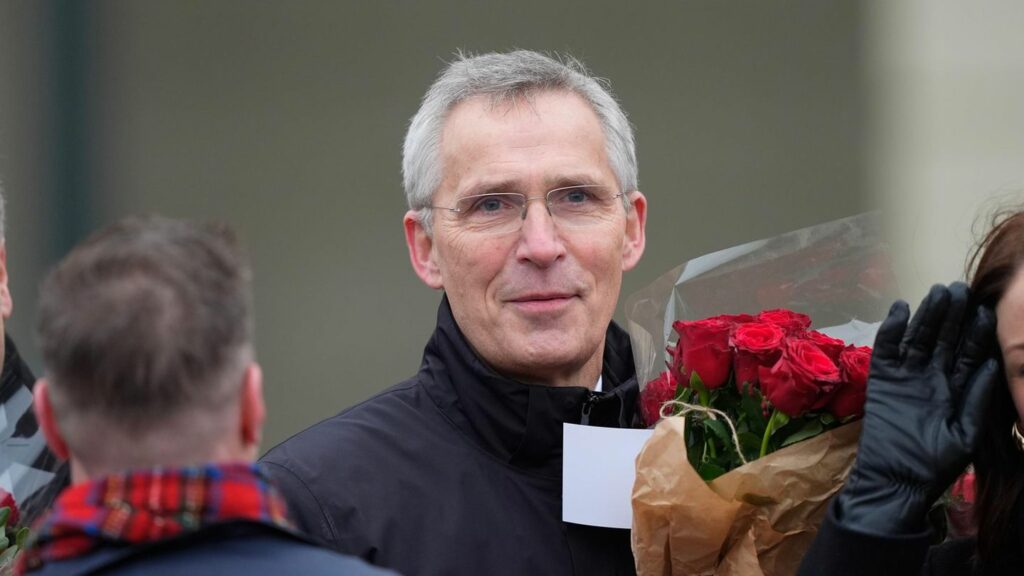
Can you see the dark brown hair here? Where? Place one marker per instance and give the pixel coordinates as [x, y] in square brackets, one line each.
[144, 320]
[998, 463]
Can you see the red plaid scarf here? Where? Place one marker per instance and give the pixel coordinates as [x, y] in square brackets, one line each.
[148, 506]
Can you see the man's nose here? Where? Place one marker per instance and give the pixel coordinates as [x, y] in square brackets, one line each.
[539, 241]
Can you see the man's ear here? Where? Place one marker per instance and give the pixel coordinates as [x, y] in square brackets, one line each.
[421, 250]
[6, 303]
[636, 226]
[47, 421]
[253, 407]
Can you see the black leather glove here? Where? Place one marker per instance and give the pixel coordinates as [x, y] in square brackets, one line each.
[925, 403]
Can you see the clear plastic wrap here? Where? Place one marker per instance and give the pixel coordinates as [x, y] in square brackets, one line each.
[839, 273]
[759, 517]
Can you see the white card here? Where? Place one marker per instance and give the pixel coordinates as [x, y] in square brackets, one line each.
[598, 470]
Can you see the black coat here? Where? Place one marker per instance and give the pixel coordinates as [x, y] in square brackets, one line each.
[22, 442]
[457, 471]
[839, 551]
[246, 548]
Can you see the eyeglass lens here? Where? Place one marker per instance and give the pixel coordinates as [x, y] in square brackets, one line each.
[575, 206]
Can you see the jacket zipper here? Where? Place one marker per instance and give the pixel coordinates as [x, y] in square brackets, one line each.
[588, 404]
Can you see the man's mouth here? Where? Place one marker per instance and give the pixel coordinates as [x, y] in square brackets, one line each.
[542, 302]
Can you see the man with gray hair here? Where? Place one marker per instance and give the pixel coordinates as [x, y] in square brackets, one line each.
[458, 470]
[153, 394]
[30, 475]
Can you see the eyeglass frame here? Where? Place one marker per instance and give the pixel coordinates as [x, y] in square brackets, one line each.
[527, 199]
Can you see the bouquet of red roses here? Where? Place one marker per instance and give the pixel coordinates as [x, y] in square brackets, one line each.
[11, 537]
[756, 413]
[754, 384]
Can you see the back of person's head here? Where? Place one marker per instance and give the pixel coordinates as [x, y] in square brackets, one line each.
[995, 264]
[146, 331]
[504, 78]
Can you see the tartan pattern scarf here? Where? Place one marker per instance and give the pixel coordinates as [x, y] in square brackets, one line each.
[151, 505]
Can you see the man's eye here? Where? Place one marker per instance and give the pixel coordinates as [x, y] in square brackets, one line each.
[574, 196]
[488, 204]
[577, 196]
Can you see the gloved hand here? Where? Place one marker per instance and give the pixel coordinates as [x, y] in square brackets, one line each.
[925, 404]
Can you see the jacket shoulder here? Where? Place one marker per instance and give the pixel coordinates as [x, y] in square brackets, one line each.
[399, 400]
[325, 469]
[228, 549]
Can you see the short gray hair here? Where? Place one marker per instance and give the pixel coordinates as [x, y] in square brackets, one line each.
[505, 77]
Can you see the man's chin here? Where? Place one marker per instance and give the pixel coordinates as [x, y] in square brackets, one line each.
[549, 362]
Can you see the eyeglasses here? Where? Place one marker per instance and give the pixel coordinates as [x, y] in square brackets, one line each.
[577, 206]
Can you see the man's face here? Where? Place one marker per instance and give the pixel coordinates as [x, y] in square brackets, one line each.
[534, 303]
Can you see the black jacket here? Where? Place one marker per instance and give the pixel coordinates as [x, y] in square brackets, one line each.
[838, 551]
[22, 443]
[247, 548]
[457, 471]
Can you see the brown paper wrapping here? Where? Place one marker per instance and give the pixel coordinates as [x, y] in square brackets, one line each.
[756, 520]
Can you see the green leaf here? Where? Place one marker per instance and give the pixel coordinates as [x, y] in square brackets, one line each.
[4, 541]
[694, 443]
[682, 391]
[688, 395]
[709, 471]
[754, 416]
[780, 421]
[696, 383]
[809, 430]
[827, 419]
[8, 555]
[702, 392]
[721, 432]
[22, 537]
[5, 513]
[750, 443]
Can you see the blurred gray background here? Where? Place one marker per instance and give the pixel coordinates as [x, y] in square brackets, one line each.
[286, 119]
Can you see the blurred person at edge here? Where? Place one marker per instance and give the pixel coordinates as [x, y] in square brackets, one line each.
[520, 174]
[28, 470]
[920, 432]
[152, 393]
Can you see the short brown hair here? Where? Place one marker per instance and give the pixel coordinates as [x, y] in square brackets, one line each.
[145, 320]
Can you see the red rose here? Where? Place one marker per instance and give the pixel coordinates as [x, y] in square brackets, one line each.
[960, 511]
[803, 379]
[736, 319]
[7, 501]
[657, 392]
[790, 322]
[832, 347]
[787, 393]
[703, 347]
[855, 363]
[964, 488]
[757, 344]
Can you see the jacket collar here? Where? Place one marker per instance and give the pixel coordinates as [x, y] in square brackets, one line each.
[48, 475]
[519, 423]
[142, 507]
[16, 375]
